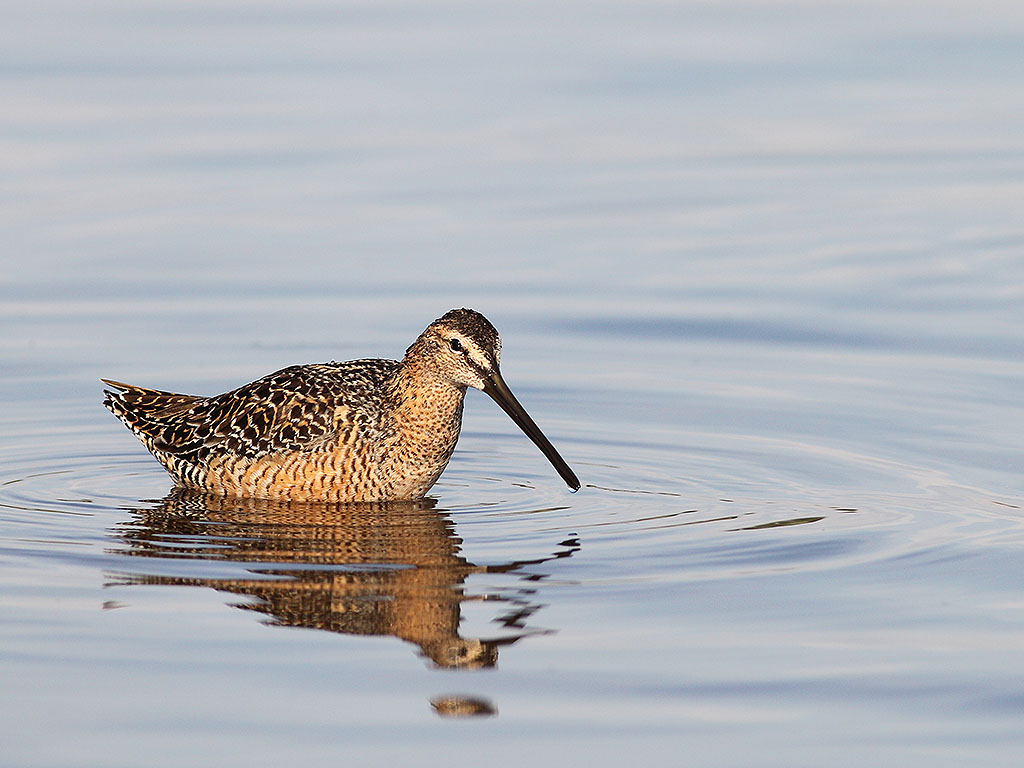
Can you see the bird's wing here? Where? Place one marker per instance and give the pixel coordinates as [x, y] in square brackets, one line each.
[294, 409]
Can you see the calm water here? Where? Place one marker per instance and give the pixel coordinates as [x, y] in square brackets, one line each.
[758, 269]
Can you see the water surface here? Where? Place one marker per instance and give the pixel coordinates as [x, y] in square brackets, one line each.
[757, 271]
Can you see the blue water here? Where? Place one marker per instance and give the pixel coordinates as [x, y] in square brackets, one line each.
[757, 270]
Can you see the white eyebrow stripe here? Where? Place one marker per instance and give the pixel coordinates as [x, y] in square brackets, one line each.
[479, 358]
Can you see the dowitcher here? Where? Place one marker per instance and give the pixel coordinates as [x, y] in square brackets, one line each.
[363, 430]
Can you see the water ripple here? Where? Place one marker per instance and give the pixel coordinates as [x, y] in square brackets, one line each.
[634, 520]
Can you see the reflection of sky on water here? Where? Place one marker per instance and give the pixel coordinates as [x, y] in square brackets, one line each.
[757, 270]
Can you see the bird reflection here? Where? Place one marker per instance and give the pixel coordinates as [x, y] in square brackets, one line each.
[362, 569]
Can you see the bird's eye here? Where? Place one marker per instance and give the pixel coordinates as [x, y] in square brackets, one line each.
[456, 345]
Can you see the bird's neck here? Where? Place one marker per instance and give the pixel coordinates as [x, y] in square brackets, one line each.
[421, 428]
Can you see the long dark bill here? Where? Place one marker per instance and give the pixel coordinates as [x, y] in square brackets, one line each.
[502, 395]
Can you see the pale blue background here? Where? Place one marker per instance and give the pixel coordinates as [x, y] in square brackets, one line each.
[753, 262]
